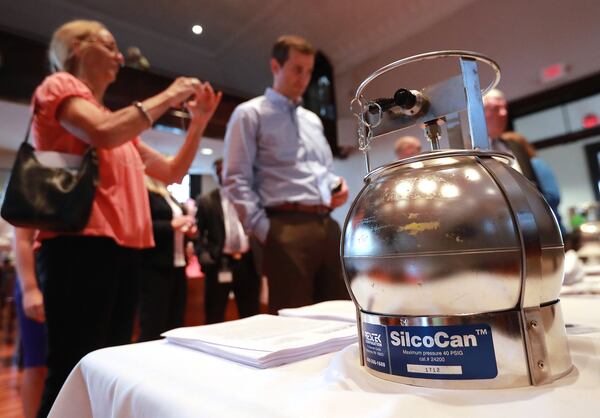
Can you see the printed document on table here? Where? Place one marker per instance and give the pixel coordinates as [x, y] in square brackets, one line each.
[338, 310]
[262, 359]
[589, 285]
[267, 340]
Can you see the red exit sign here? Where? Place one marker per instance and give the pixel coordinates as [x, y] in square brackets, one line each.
[553, 72]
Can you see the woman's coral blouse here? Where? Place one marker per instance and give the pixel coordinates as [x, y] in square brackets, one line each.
[121, 210]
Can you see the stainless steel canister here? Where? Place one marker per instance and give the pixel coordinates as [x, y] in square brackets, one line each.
[453, 259]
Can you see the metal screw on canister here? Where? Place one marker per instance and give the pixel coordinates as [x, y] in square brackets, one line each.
[540, 364]
[533, 324]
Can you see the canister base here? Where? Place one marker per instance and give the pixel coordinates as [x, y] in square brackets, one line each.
[505, 349]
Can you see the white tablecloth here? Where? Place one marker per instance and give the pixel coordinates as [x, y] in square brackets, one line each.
[161, 380]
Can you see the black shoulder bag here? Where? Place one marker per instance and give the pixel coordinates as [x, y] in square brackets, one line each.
[49, 198]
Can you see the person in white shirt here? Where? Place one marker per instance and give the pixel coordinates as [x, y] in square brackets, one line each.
[225, 256]
[163, 286]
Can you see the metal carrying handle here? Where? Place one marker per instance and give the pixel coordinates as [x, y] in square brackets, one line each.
[359, 108]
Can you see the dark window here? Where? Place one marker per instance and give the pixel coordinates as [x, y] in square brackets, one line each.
[320, 98]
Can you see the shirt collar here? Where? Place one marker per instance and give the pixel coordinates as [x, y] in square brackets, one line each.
[280, 100]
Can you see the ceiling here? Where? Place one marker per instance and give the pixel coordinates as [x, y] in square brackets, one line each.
[233, 50]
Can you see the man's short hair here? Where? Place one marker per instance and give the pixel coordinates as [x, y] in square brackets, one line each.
[405, 142]
[281, 49]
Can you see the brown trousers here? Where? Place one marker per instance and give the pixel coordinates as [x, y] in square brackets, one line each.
[302, 260]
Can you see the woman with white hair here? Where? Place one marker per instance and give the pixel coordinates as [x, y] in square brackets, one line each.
[90, 278]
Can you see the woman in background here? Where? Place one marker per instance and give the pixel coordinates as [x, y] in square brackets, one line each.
[90, 279]
[546, 180]
[163, 283]
[32, 322]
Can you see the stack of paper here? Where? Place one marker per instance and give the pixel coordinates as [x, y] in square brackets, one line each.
[338, 310]
[589, 285]
[266, 340]
[591, 270]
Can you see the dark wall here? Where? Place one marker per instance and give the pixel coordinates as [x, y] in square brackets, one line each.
[23, 66]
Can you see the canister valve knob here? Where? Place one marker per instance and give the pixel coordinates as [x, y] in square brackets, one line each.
[405, 98]
[410, 102]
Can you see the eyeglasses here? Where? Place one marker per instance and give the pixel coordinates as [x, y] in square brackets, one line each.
[108, 45]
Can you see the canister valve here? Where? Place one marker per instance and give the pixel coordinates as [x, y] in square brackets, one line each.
[410, 102]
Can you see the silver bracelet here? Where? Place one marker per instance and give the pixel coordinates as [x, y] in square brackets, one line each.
[140, 106]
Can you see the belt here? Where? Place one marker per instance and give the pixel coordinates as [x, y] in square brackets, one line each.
[234, 256]
[299, 207]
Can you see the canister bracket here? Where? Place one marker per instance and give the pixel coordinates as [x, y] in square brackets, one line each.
[444, 99]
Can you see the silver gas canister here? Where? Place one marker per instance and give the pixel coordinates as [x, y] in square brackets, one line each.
[453, 259]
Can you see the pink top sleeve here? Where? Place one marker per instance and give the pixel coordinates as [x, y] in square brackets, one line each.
[48, 133]
[55, 89]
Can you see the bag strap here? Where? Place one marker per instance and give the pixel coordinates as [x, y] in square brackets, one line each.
[35, 110]
[28, 129]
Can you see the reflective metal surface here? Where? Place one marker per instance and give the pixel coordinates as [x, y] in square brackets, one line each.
[541, 241]
[440, 229]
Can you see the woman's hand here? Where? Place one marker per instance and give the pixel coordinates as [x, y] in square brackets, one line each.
[192, 231]
[204, 103]
[182, 89]
[33, 305]
[201, 108]
[183, 223]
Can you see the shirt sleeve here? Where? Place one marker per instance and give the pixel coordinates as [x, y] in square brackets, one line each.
[53, 92]
[238, 172]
